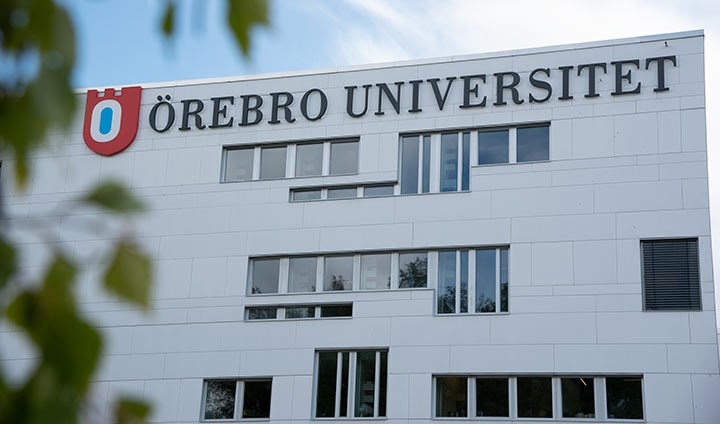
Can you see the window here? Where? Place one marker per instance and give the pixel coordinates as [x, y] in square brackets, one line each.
[257, 313]
[334, 311]
[413, 270]
[312, 311]
[578, 397]
[235, 399]
[419, 166]
[342, 193]
[338, 273]
[535, 397]
[239, 164]
[265, 275]
[624, 398]
[344, 158]
[272, 162]
[671, 275]
[488, 292]
[308, 160]
[379, 190]
[514, 145]
[262, 162]
[300, 312]
[303, 273]
[350, 384]
[305, 195]
[375, 272]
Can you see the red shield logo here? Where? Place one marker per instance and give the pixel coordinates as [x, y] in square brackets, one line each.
[111, 121]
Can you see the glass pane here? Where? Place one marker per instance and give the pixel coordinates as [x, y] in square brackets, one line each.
[485, 280]
[338, 273]
[220, 400]
[409, 152]
[492, 399]
[342, 193]
[256, 399]
[384, 190]
[578, 398]
[265, 275]
[533, 144]
[375, 272]
[426, 161]
[365, 385]
[466, 161]
[308, 159]
[344, 158]
[336, 311]
[446, 282]
[493, 147]
[451, 397]
[413, 270]
[534, 397]
[464, 281]
[383, 384]
[261, 313]
[299, 312]
[272, 162]
[344, 384]
[449, 162]
[303, 272]
[624, 397]
[305, 195]
[504, 279]
[327, 373]
[239, 164]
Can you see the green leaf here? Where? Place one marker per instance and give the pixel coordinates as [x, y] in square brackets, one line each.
[168, 22]
[242, 16]
[114, 197]
[131, 411]
[129, 275]
[7, 262]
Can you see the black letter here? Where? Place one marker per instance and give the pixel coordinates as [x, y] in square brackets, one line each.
[415, 96]
[566, 83]
[467, 79]
[219, 112]
[187, 113]
[247, 109]
[619, 77]
[540, 84]
[436, 90]
[276, 105]
[591, 76]
[304, 104]
[153, 114]
[350, 96]
[661, 70]
[500, 87]
[394, 101]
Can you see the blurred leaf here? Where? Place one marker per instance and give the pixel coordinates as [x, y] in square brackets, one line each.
[168, 22]
[113, 196]
[129, 275]
[242, 15]
[7, 263]
[131, 411]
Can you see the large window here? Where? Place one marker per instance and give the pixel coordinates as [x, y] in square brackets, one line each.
[306, 194]
[473, 280]
[265, 275]
[274, 161]
[513, 145]
[435, 163]
[236, 399]
[671, 275]
[351, 384]
[535, 397]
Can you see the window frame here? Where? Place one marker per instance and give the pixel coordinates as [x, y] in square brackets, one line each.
[351, 384]
[281, 311]
[238, 401]
[512, 144]
[642, 274]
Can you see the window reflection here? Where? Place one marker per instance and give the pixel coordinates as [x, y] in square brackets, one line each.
[413, 270]
[533, 144]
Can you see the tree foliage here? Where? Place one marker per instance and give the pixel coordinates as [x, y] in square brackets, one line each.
[37, 53]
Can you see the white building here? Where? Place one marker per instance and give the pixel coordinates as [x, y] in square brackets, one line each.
[509, 237]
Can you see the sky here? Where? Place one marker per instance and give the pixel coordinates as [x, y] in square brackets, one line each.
[120, 43]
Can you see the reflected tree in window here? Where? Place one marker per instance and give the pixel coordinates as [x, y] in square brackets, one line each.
[220, 400]
[337, 282]
[414, 274]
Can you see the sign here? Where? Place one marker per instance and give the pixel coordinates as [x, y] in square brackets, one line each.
[111, 120]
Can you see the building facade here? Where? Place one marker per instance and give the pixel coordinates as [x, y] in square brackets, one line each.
[509, 237]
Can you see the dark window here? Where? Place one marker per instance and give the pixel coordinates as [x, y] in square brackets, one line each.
[256, 400]
[451, 399]
[578, 397]
[413, 270]
[671, 274]
[332, 311]
[493, 147]
[409, 151]
[449, 162]
[332, 395]
[265, 275]
[326, 380]
[534, 397]
[624, 398]
[262, 313]
[220, 399]
[492, 399]
[533, 144]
